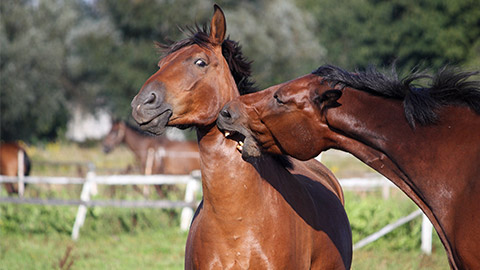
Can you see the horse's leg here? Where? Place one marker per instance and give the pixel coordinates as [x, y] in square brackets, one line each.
[10, 188]
[160, 192]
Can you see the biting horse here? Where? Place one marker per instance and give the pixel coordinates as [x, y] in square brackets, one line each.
[271, 213]
[9, 163]
[426, 140]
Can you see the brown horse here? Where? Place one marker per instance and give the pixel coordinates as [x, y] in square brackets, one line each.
[9, 163]
[157, 155]
[425, 140]
[272, 213]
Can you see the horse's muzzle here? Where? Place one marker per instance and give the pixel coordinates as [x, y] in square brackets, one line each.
[149, 108]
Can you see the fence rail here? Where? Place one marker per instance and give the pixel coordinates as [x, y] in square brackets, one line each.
[189, 203]
[93, 203]
[89, 187]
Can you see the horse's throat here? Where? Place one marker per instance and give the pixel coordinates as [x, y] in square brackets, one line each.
[226, 178]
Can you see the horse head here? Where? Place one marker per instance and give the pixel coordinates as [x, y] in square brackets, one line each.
[192, 84]
[283, 119]
[114, 137]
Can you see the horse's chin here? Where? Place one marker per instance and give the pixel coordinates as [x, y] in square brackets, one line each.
[250, 149]
[157, 125]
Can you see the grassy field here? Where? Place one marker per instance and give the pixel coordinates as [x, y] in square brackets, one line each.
[162, 248]
[37, 237]
[150, 249]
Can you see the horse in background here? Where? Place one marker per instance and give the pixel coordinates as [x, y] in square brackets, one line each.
[157, 155]
[9, 163]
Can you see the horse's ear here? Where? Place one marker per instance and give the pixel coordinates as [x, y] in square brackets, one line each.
[218, 26]
[327, 99]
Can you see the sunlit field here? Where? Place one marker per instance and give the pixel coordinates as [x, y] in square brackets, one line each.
[38, 237]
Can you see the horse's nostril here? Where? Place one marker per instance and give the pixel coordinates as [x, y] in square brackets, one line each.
[225, 113]
[151, 99]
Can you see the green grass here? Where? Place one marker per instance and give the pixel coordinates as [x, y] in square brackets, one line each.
[150, 239]
[162, 248]
[385, 259]
[38, 237]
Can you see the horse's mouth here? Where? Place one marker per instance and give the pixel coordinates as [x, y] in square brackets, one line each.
[158, 124]
[246, 144]
[236, 136]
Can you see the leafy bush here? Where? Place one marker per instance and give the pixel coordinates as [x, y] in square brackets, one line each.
[34, 219]
[368, 214]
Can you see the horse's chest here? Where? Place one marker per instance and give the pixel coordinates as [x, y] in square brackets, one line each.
[241, 251]
[240, 258]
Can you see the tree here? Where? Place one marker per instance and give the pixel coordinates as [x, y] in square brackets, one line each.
[278, 37]
[119, 60]
[31, 66]
[428, 33]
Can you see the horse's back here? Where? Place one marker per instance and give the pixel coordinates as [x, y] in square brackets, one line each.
[179, 157]
[9, 159]
[9, 163]
[320, 173]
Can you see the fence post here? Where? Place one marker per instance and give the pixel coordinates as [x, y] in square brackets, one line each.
[20, 173]
[187, 212]
[385, 190]
[93, 188]
[84, 197]
[427, 229]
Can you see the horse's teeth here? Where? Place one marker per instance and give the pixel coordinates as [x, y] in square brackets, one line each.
[240, 143]
[239, 147]
[227, 134]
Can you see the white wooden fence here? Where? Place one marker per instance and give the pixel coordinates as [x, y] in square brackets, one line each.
[89, 183]
[189, 204]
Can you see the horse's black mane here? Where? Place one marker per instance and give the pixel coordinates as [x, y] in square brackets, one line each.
[447, 87]
[231, 50]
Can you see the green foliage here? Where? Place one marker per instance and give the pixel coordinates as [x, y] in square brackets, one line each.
[368, 214]
[34, 219]
[37, 237]
[98, 54]
[32, 102]
[278, 37]
[428, 33]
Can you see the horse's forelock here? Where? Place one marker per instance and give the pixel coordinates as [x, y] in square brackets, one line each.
[239, 66]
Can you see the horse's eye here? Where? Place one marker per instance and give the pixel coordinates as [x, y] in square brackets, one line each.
[200, 63]
[278, 100]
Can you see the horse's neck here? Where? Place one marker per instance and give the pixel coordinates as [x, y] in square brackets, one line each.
[380, 124]
[375, 130]
[421, 161]
[138, 143]
[228, 181]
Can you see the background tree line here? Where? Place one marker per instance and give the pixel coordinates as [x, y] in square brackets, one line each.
[96, 54]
